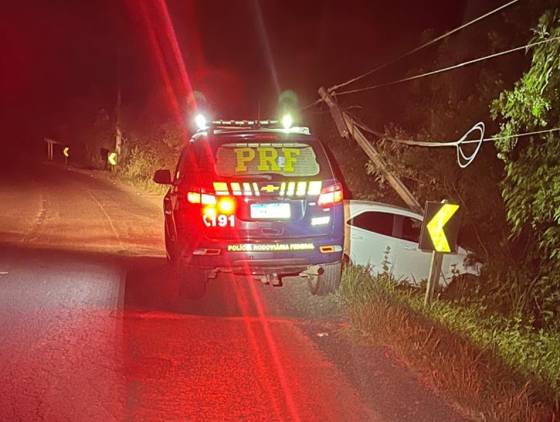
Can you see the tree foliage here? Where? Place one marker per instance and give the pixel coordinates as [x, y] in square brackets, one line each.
[531, 186]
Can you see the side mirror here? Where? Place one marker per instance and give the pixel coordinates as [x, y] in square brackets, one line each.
[162, 177]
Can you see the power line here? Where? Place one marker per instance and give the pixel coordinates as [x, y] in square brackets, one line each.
[518, 135]
[453, 67]
[421, 47]
[463, 160]
[435, 144]
[442, 70]
[314, 103]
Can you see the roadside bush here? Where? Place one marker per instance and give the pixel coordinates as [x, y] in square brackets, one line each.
[143, 160]
[150, 143]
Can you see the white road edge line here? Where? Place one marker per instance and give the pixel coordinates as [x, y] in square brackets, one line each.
[108, 218]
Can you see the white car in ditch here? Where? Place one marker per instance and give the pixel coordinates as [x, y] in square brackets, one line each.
[380, 235]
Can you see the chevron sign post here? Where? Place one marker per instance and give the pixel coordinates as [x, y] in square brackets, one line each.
[440, 229]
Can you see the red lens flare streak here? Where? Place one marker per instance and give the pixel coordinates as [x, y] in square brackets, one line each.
[159, 48]
[258, 353]
[159, 59]
[272, 347]
[176, 51]
[274, 353]
[167, 55]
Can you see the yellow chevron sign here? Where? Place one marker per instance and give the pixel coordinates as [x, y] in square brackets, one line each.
[440, 227]
[437, 224]
[112, 158]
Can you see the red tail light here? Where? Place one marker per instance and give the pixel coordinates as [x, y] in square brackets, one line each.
[201, 198]
[330, 195]
[225, 205]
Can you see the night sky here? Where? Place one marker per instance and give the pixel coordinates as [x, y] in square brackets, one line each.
[237, 54]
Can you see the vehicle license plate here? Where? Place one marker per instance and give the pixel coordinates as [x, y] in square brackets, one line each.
[271, 211]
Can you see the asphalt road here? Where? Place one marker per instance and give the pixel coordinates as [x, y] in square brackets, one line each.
[90, 329]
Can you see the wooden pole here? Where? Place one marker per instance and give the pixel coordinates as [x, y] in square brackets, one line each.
[433, 279]
[346, 126]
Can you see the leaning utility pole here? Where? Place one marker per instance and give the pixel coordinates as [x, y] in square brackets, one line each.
[347, 127]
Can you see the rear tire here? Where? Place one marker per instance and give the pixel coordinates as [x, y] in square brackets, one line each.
[170, 249]
[327, 282]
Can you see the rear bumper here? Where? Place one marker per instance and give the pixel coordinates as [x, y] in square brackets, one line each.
[279, 257]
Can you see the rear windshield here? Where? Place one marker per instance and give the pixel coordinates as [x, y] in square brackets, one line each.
[231, 159]
[286, 159]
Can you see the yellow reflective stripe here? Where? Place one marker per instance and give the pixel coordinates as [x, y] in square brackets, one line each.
[207, 199]
[247, 189]
[282, 188]
[221, 188]
[314, 188]
[291, 188]
[286, 188]
[193, 197]
[301, 188]
[236, 188]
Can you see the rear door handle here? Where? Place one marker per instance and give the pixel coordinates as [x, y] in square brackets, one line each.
[410, 248]
[355, 236]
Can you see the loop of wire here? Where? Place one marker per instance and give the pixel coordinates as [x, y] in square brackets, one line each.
[464, 160]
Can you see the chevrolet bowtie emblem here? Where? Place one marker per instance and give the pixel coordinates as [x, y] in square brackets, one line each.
[270, 188]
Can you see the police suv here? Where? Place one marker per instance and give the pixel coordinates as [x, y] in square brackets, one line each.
[257, 199]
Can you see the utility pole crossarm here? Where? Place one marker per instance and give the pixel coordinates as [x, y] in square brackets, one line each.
[347, 127]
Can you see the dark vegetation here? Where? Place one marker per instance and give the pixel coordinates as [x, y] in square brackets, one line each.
[510, 194]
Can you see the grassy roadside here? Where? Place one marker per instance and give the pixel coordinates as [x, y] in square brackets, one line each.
[144, 185]
[492, 367]
[141, 163]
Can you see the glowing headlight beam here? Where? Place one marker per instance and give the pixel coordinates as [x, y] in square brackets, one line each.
[200, 121]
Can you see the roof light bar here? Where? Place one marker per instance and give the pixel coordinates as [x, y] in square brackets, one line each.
[285, 125]
[244, 123]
